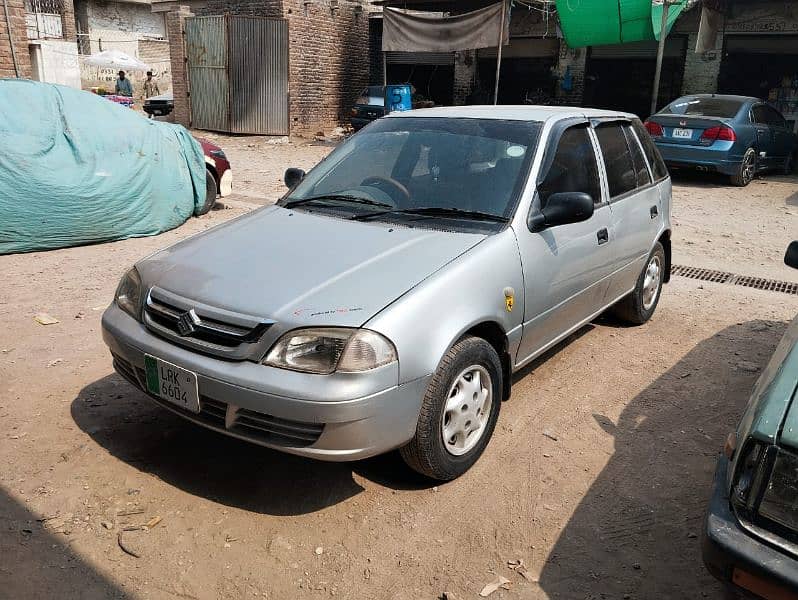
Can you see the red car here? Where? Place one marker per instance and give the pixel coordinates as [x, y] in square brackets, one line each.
[218, 175]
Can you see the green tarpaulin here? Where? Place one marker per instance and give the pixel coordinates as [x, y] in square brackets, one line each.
[599, 22]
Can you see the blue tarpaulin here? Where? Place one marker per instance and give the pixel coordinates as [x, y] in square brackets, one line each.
[76, 169]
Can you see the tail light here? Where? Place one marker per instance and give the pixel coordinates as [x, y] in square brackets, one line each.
[713, 134]
[654, 129]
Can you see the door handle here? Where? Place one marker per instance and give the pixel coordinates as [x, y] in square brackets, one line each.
[654, 212]
[603, 236]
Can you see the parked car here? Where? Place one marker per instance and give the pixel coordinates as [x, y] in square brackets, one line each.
[159, 106]
[387, 299]
[218, 175]
[369, 106]
[737, 136]
[751, 532]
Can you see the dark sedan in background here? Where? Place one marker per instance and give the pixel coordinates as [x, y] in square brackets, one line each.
[159, 106]
[370, 105]
[737, 136]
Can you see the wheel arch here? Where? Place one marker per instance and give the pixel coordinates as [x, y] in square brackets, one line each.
[493, 333]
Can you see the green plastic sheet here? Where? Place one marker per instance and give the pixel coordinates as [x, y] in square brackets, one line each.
[600, 22]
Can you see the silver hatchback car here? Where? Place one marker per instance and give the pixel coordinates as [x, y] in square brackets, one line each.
[387, 299]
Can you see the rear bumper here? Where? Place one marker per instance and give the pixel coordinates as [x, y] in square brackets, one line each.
[732, 555]
[352, 427]
[158, 110]
[721, 160]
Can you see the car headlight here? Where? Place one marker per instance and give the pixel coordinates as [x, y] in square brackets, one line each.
[780, 498]
[324, 350]
[128, 294]
[218, 154]
[748, 478]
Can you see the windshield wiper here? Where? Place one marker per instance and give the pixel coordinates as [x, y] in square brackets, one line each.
[336, 198]
[436, 211]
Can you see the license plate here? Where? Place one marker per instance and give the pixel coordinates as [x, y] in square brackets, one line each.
[682, 133]
[172, 383]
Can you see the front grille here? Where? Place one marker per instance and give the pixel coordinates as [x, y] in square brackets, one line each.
[249, 424]
[201, 327]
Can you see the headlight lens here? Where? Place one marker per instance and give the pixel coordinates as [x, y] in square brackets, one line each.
[325, 350]
[780, 500]
[218, 154]
[128, 294]
[748, 475]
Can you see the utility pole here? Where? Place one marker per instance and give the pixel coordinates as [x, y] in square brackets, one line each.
[499, 53]
[660, 52]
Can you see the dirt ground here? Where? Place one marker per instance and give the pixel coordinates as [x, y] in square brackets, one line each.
[610, 509]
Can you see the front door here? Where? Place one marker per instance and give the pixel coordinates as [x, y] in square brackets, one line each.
[566, 268]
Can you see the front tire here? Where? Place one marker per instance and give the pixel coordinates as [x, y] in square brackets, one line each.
[211, 191]
[459, 411]
[747, 169]
[638, 306]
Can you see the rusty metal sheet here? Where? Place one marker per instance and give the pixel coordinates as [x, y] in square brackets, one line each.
[259, 75]
[206, 50]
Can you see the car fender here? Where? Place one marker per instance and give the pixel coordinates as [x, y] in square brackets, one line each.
[483, 285]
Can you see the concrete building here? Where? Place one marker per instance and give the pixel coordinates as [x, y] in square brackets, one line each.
[130, 26]
[756, 54]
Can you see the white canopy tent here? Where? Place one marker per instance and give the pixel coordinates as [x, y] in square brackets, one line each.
[116, 59]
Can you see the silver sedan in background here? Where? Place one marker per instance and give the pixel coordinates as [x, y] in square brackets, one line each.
[387, 299]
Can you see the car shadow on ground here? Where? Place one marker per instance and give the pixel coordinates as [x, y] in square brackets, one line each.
[36, 564]
[627, 541]
[131, 427]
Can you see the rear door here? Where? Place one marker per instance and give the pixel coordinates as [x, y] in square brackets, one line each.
[781, 134]
[566, 268]
[635, 203]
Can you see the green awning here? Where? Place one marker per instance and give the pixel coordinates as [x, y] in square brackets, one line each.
[598, 22]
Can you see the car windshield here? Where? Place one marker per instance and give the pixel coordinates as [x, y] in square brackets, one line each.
[725, 108]
[473, 169]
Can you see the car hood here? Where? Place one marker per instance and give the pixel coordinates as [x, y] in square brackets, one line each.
[300, 268]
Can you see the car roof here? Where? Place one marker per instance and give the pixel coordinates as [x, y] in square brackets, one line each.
[523, 112]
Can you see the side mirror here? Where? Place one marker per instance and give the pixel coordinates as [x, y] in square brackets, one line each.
[791, 258]
[293, 176]
[563, 208]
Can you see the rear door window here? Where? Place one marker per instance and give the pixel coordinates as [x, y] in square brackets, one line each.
[639, 162]
[759, 115]
[621, 175]
[574, 168]
[658, 168]
[774, 117]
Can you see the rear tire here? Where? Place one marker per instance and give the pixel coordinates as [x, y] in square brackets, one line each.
[638, 306]
[211, 191]
[747, 169]
[465, 390]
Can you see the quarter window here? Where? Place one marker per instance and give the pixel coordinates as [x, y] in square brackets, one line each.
[621, 175]
[574, 167]
[658, 168]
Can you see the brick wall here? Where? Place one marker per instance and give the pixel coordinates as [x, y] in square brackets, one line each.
[328, 62]
[465, 72]
[701, 70]
[175, 20]
[18, 34]
[246, 8]
[573, 59]
[68, 21]
[156, 54]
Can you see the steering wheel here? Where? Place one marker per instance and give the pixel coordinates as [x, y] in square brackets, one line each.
[381, 182]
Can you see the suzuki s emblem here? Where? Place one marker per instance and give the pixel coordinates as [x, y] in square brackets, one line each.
[186, 322]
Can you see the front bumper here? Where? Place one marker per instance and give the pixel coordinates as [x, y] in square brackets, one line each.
[226, 183]
[347, 417]
[734, 556]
